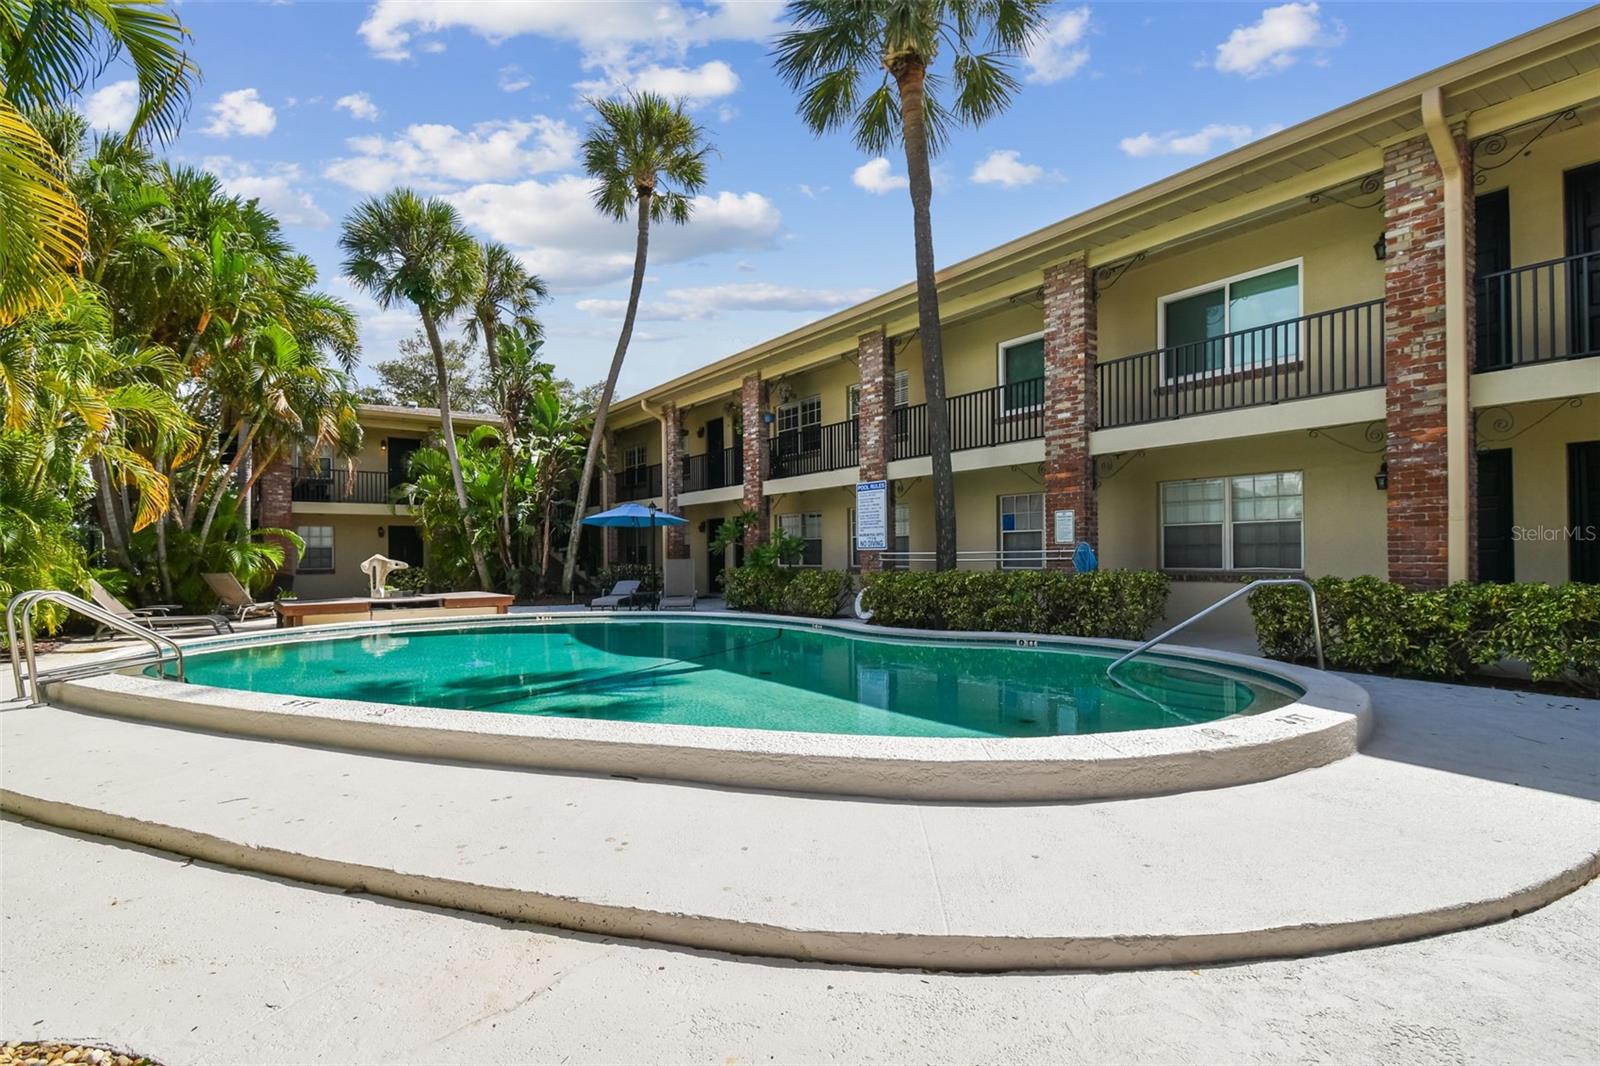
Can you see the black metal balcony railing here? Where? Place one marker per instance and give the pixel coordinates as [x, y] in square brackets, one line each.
[814, 449]
[1004, 414]
[639, 482]
[1319, 354]
[1539, 313]
[314, 485]
[713, 471]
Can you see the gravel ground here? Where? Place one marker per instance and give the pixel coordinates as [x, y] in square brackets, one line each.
[127, 947]
[17, 1053]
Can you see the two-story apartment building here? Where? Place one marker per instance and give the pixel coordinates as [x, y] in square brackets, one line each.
[343, 511]
[1362, 345]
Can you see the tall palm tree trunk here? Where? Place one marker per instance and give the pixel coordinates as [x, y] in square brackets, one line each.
[447, 427]
[598, 433]
[110, 521]
[910, 83]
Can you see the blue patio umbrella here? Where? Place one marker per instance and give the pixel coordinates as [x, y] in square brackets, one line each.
[635, 516]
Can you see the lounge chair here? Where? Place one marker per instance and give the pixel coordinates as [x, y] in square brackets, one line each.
[234, 598]
[677, 585]
[153, 617]
[621, 595]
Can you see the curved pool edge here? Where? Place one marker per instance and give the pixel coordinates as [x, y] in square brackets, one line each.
[1327, 723]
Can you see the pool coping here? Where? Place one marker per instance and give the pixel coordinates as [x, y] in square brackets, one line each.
[1327, 723]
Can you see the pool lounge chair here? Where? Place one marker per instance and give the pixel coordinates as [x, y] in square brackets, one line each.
[153, 617]
[621, 595]
[234, 599]
[677, 585]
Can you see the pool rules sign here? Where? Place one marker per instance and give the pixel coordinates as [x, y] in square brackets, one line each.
[872, 516]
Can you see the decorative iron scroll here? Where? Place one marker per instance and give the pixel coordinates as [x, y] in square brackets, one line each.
[1495, 144]
[1372, 183]
[1374, 433]
[1504, 421]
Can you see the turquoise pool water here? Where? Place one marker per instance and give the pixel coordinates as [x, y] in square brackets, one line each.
[749, 675]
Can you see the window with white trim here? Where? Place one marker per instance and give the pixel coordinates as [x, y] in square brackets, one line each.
[902, 393]
[319, 547]
[1235, 324]
[808, 527]
[1022, 531]
[1251, 522]
[902, 535]
[634, 457]
[800, 426]
[1022, 372]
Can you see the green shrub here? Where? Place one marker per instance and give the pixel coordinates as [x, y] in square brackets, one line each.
[1122, 604]
[1375, 626]
[786, 590]
[411, 580]
[643, 573]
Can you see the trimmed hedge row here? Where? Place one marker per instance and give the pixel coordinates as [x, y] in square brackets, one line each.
[1122, 604]
[1376, 626]
[786, 590]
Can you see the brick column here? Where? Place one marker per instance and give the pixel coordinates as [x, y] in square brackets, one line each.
[753, 398]
[610, 542]
[875, 358]
[277, 508]
[672, 477]
[1069, 403]
[1416, 369]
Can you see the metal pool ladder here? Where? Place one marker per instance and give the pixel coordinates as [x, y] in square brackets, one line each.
[1316, 619]
[20, 610]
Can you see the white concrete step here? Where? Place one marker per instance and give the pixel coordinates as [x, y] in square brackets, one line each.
[1375, 848]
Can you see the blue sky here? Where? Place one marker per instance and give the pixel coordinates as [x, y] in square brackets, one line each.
[314, 106]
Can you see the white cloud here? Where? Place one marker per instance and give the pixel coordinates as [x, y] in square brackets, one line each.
[359, 105]
[1005, 167]
[704, 302]
[566, 241]
[1270, 44]
[241, 111]
[1060, 51]
[112, 107]
[696, 85]
[513, 79]
[874, 176]
[391, 25]
[435, 156]
[279, 189]
[1203, 141]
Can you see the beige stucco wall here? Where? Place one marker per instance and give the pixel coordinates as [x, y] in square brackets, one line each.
[1539, 477]
[1535, 182]
[355, 538]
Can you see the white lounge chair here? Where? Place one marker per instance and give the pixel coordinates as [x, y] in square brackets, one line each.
[235, 598]
[622, 594]
[153, 617]
[677, 585]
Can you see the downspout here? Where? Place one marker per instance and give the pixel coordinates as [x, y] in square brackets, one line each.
[644, 405]
[1457, 372]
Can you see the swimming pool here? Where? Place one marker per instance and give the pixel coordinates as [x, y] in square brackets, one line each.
[749, 675]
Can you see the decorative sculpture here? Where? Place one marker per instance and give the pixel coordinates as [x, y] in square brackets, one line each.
[378, 568]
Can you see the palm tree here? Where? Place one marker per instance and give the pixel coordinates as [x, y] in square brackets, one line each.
[402, 248]
[833, 44]
[507, 294]
[644, 153]
[51, 50]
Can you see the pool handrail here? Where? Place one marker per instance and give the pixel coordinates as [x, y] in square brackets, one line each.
[20, 609]
[1316, 619]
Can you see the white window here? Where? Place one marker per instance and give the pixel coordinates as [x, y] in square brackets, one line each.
[808, 527]
[1022, 531]
[319, 547]
[902, 535]
[634, 457]
[902, 393]
[1235, 324]
[1022, 372]
[800, 426]
[1252, 522]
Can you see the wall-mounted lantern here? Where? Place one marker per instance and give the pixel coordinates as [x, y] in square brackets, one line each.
[1381, 478]
[1380, 247]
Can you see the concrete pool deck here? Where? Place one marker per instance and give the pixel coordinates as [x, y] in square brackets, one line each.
[1466, 806]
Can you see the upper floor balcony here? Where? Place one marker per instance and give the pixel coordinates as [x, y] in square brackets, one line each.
[1539, 313]
[639, 482]
[713, 471]
[327, 485]
[1320, 354]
